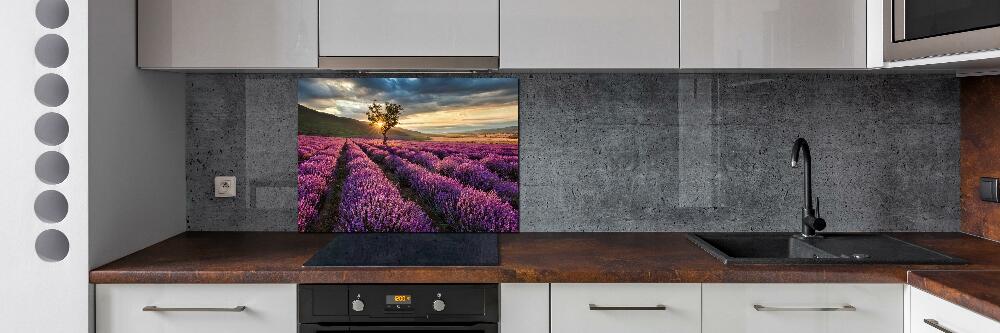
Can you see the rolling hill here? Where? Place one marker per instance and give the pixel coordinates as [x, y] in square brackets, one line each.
[501, 130]
[312, 122]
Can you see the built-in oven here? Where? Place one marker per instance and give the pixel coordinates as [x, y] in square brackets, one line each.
[928, 28]
[386, 308]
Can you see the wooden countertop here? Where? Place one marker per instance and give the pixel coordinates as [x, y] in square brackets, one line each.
[273, 257]
[978, 291]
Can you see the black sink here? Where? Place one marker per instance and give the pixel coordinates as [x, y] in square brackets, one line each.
[786, 248]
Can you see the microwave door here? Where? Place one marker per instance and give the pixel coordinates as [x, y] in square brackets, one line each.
[915, 29]
[916, 19]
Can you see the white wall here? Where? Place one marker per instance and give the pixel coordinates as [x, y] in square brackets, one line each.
[137, 188]
[125, 150]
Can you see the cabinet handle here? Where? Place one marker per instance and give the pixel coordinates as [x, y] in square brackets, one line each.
[154, 308]
[848, 307]
[594, 307]
[935, 324]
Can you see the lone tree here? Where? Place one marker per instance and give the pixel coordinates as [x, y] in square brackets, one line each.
[384, 117]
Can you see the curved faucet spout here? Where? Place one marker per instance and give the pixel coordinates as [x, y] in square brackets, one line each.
[810, 222]
[807, 188]
[800, 144]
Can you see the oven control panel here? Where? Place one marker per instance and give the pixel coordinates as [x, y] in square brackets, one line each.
[398, 303]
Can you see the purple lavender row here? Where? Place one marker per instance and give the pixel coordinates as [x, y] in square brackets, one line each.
[504, 166]
[465, 209]
[467, 171]
[474, 174]
[314, 175]
[473, 150]
[309, 145]
[425, 159]
[459, 147]
[369, 202]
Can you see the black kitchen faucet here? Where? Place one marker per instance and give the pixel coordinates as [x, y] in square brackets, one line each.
[810, 221]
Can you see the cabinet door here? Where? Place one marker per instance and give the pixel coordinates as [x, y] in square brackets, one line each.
[773, 34]
[589, 34]
[930, 314]
[816, 308]
[408, 28]
[227, 33]
[524, 308]
[626, 307]
[269, 308]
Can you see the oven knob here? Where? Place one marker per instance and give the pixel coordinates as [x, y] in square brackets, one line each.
[358, 305]
[438, 305]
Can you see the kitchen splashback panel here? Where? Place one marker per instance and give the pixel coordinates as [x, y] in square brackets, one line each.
[639, 152]
[408, 154]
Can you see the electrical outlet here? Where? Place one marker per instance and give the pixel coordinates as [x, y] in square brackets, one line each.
[225, 187]
[988, 189]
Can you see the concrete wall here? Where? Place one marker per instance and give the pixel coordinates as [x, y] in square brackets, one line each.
[640, 152]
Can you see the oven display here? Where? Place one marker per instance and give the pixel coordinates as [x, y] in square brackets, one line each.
[398, 302]
[398, 299]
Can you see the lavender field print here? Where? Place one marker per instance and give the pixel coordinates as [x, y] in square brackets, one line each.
[408, 155]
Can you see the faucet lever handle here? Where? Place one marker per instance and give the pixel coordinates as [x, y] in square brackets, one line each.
[817, 206]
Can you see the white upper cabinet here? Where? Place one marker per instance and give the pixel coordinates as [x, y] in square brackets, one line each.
[409, 28]
[776, 33]
[582, 34]
[227, 33]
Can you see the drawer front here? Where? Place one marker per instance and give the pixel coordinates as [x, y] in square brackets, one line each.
[775, 308]
[269, 308]
[946, 315]
[571, 310]
[524, 308]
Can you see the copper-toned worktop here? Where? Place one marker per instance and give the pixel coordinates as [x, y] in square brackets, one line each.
[978, 291]
[260, 257]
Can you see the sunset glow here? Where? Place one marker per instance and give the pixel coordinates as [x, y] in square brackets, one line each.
[430, 105]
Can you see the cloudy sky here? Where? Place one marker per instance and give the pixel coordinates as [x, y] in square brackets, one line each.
[430, 105]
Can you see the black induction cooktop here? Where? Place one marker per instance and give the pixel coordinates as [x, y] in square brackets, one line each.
[409, 249]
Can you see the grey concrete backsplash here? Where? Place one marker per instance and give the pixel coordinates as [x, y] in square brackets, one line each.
[639, 152]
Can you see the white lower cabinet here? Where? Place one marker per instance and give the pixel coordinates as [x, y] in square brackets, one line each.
[625, 307]
[569, 307]
[930, 314]
[524, 307]
[196, 308]
[816, 308]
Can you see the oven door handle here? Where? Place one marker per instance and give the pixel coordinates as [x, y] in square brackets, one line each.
[314, 328]
[482, 327]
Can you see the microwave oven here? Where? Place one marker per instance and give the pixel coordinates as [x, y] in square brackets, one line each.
[915, 29]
